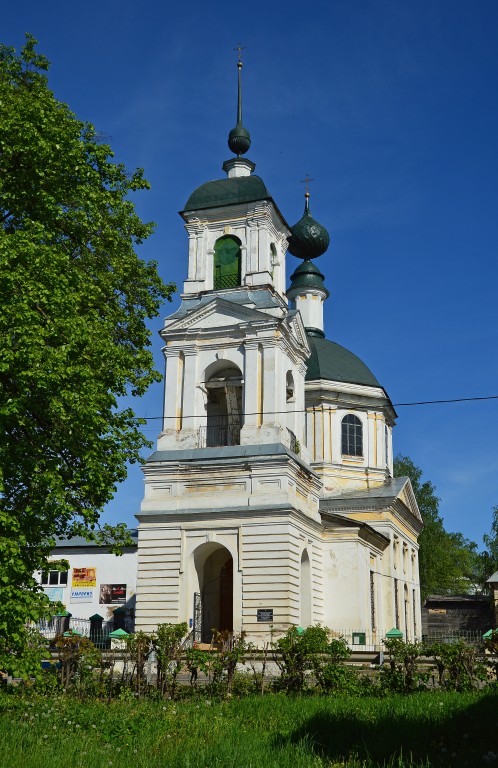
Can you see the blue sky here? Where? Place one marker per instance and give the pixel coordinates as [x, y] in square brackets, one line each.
[391, 108]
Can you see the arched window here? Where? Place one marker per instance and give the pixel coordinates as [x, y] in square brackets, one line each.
[290, 394]
[226, 263]
[223, 407]
[352, 436]
[305, 612]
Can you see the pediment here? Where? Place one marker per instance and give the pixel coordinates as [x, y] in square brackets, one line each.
[294, 322]
[397, 491]
[220, 313]
[407, 497]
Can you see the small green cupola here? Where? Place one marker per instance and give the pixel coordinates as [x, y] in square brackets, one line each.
[307, 292]
[308, 239]
[307, 275]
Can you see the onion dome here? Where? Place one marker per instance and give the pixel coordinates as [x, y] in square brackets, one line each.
[239, 139]
[307, 277]
[308, 239]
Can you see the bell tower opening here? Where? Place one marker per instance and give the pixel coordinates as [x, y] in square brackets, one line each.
[226, 263]
[224, 407]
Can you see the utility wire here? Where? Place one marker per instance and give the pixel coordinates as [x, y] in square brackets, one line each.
[319, 408]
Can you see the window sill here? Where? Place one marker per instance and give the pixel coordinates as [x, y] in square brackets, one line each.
[352, 459]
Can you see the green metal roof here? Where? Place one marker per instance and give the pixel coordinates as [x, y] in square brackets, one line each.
[307, 275]
[332, 362]
[242, 189]
[308, 239]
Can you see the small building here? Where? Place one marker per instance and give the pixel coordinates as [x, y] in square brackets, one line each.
[97, 581]
[447, 615]
[493, 585]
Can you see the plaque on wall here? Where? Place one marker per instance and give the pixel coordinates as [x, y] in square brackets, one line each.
[265, 614]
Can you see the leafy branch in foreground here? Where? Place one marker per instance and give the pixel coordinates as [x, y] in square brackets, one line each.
[75, 299]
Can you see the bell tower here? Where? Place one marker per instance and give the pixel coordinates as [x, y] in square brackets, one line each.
[231, 471]
[236, 355]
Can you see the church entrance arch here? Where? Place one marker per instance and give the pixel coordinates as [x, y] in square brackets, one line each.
[214, 570]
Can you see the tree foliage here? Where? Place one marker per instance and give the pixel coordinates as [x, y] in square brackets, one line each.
[448, 562]
[75, 299]
[488, 559]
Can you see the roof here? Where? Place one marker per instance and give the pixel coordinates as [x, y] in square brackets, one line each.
[493, 579]
[254, 296]
[456, 599]
[397, 491]
[80, 541]
[332, 362]
[241, 189]
[235, 452]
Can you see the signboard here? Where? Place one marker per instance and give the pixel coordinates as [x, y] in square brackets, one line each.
[112, 594]
[82, 595]
[54, 594]
[84, 577]
[265, 614]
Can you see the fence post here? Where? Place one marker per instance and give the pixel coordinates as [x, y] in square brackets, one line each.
[62, 622]
[119, 617]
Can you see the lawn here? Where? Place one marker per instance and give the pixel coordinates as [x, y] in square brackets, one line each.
[426, 729]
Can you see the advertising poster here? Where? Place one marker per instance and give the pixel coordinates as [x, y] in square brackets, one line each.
[82, 595]
[113, 594]
[54, 594]
[84, 577]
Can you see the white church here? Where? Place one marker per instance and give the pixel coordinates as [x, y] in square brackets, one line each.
[270, 500]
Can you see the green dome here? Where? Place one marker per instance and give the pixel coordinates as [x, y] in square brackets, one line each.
[306, 276]
[241, 189]
[332, 362]
[308, 238]
[239, 140]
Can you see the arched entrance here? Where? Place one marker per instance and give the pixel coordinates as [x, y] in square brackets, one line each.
[214, 570]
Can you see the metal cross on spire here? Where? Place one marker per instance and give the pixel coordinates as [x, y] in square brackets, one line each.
[307, 180]
[239, 50]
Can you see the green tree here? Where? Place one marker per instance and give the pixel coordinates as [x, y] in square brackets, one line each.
[448, 562]
[75, 299]
[488, 559]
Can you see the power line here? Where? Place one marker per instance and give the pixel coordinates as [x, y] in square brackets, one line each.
[318, 409]
[454, 400]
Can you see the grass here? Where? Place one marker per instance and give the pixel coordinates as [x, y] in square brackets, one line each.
[418, 731]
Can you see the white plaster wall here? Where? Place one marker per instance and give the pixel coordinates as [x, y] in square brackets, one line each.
[310, 306]
[111, 569]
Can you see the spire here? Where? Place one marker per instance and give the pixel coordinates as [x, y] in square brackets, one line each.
[239, 139]
[308, 240]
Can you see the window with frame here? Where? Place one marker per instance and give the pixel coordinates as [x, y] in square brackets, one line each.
[54, 578]
[352, 436]
[226, 263]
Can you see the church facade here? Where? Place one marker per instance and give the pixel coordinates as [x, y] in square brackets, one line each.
[270, 500]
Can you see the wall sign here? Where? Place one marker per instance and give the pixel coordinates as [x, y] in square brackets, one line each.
[84, 577]
[54, 594]
[82, 595]
[112, 594]
[265, 614]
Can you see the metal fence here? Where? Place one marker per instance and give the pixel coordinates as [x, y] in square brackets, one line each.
[217, 435]
[473, 637]
[97, 632]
